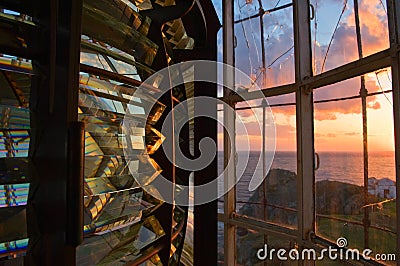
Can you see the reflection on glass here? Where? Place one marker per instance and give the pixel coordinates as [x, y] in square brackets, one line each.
[13, 195]
[109, 185]
[176, 35]
[117, 218]
[10, 63]
[15, 82]
[110, 211]
[120, 218]
[123, 11]
[14, 136]
[126, 242]
[13, 247]
[97, 24]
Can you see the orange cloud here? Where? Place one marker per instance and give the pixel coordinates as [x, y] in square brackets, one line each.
[374, 34]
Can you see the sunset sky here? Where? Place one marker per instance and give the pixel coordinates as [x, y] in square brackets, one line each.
[338, 125]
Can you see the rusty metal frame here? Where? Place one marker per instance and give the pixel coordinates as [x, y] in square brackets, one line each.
[53, 106]
[350, 70]
[393, 9]
[229, 133]
[304, 124]
[363, 95]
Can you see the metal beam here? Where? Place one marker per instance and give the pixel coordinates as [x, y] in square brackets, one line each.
[354, 69]
[304, 124]
[205, 215]
[205, 249]
[264, 82]
[363, 95]
[229, 134]
[259, 226]
[53, 106]
[90, 47]
[252, 95]
[263, 12]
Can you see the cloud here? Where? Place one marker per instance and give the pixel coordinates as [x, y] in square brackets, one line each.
[320, 116]
[329, 135]
[374, 34]
[374, 27]
[344, 49]
[285, 131]
[352, 133]
[279, 38]
[374, 105]
[246, 113]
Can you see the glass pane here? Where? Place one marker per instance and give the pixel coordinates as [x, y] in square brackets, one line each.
[123, 63]
[364, 211]
[248, 48]
[334, 41]
[279, 47]
[275, 200]
[178, 235]
[381, 168]
[111, 246]
[249, 242]
[278, 66]
[98, 19]
[176, 35]
[17, 31]
[374, 26]
[274, 4]
[341, 169]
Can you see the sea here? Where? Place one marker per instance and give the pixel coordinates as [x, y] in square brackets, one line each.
[335, 166]
[345, 167]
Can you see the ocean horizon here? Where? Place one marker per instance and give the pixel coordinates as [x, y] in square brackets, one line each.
[339, 166]
[345, 166]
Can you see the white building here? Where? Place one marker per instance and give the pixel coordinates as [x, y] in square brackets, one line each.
[382, 188]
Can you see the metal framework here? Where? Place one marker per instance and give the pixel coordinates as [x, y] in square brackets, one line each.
[305, 82]
[98, 214]
[393, 8]
[54, 211]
